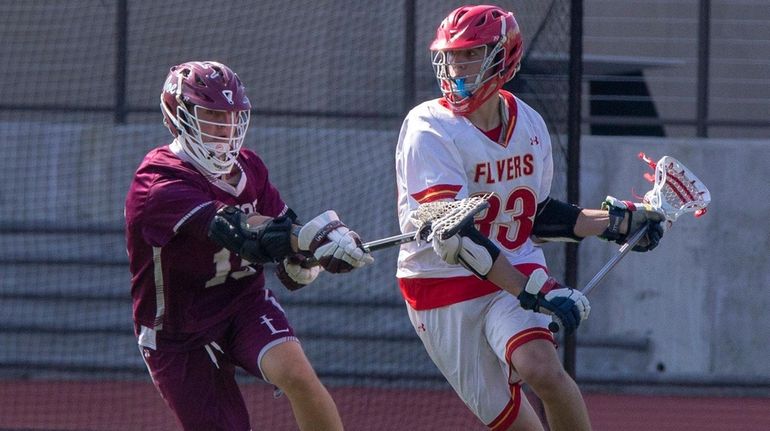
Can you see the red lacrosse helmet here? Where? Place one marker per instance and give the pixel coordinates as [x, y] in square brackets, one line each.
[206, 85]
[471, 27]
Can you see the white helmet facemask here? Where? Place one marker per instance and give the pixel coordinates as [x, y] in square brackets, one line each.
[216, 149]
[459, 88]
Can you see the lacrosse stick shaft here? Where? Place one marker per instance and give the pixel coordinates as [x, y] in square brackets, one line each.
[378, 244]
[622, 251]
[455, 216]
[390, 241]
[404, 238]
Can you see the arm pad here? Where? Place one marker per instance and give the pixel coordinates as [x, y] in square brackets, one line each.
[268, 242]
[555, 221]
[479, 254]
[468, 248]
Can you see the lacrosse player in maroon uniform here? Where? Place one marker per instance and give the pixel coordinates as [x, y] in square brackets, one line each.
[474, 297]
[201, 220]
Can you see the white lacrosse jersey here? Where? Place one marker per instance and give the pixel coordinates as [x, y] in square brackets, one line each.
[441, 155]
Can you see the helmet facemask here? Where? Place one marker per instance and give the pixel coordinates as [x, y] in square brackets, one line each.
[212, 144]
[458, 89]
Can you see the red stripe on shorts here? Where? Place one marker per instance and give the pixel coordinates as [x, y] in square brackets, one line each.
[505, 419]
[524, 337]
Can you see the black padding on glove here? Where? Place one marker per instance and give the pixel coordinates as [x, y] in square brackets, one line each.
[267, 242]
[612, 233]
[562, 307]
[638, 218]
[651, 238]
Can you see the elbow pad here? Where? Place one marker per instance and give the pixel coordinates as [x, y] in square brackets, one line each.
[267, 242]
[555, 221]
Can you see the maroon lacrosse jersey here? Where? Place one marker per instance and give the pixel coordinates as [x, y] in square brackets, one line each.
[181, 281]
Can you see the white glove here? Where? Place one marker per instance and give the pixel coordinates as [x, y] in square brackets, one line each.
[469, 248]
[294, 274]
[337, 248]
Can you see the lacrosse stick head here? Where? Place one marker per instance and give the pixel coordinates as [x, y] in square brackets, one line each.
[446, 218]
[676, 189]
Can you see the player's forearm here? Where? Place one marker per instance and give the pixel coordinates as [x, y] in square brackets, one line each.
[506, 277]
[592, 222]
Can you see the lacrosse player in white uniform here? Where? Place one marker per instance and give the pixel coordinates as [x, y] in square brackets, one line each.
[481, 300]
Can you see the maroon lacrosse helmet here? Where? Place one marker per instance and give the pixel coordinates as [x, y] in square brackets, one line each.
[206, 85]
[469, 27]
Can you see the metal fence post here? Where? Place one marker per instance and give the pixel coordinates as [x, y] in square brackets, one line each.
[704, 41]
[121, 61]
[409, 46]
[573, 155]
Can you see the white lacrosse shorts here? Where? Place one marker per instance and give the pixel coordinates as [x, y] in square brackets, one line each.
[471, 343]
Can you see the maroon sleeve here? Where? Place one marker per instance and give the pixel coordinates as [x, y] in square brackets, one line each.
[172, 204]
[270, 202]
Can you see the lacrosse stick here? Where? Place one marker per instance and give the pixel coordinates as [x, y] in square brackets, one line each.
[453, 215]
[676, 191]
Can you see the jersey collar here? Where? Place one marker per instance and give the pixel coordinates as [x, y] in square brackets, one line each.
[509, 110]
[236, 190]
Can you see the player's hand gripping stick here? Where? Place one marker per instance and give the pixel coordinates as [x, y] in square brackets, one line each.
[676, 191]
[545, 295]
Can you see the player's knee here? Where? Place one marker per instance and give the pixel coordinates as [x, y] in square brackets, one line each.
[545, 380]
[295, 377]
[287, 367]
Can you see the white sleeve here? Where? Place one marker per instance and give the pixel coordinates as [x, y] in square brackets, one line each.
[428, 167]
[428, 161]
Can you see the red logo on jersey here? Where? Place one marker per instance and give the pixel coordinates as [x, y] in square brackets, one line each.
[505, 169]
